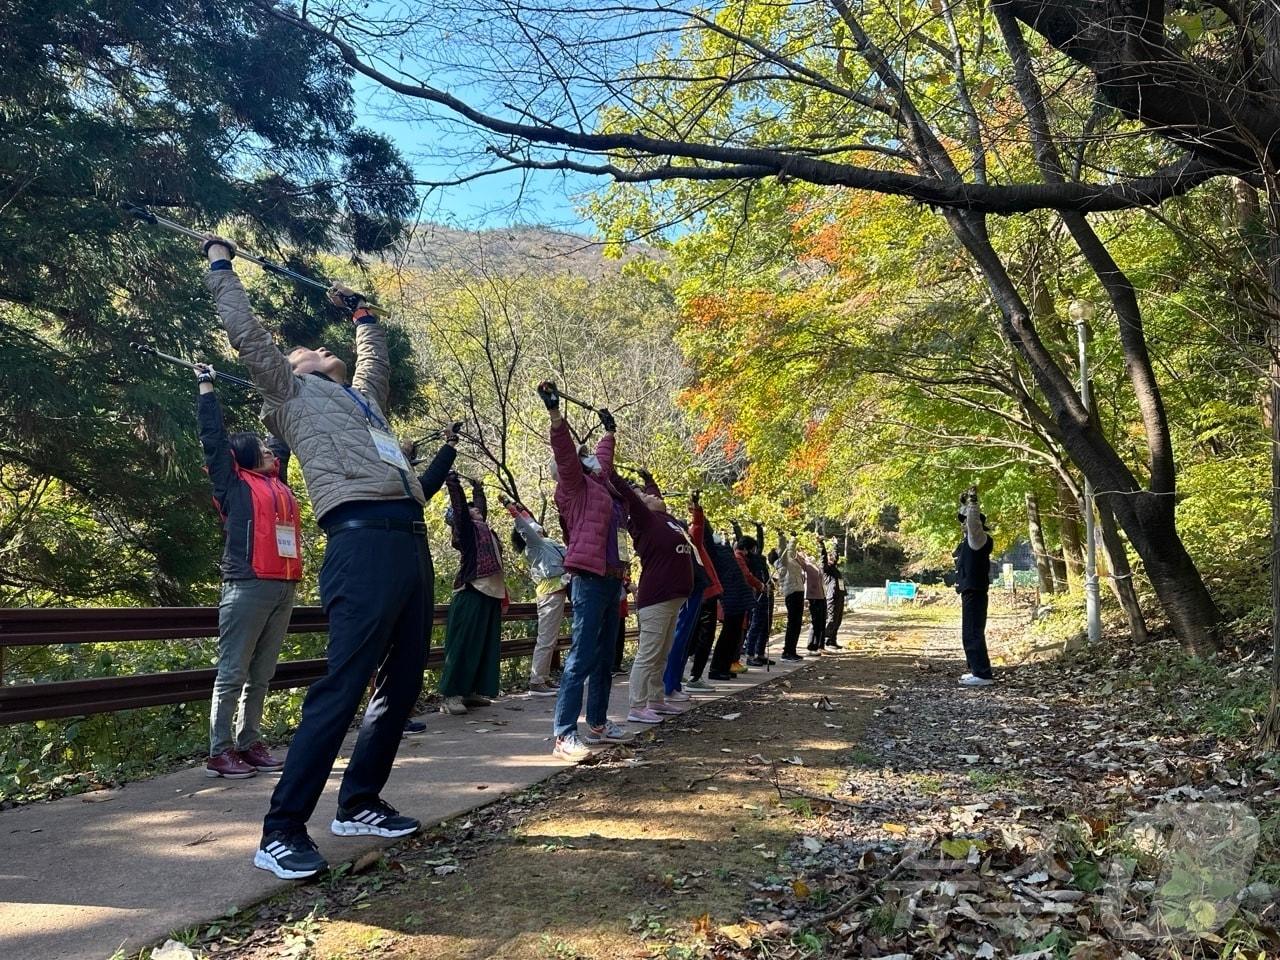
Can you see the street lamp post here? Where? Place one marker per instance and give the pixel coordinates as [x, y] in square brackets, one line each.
[1082, 312]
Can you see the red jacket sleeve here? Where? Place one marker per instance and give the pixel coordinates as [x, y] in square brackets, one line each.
[752, 582]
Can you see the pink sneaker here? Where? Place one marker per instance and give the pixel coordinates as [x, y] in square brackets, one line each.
[642, 715]
[228, 764]
[664, 709]
[260, 758]
[678, 696]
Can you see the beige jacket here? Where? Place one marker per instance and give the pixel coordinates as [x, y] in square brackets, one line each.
[317, 418]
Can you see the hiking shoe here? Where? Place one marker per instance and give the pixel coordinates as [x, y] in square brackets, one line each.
[737, 667]
[228, 764]
[717, 675]
[413, 728]
[609, 733]
[969, 680]
[664, 709]
[570, 748]
[453, 706]
[678, 696]
[642, 715]
[833, 645]
[755, 662]
[475, 700]
[260, 758]
[290, 856]
[377, 819]
[699, 684]
[542, 690]
[792, 657]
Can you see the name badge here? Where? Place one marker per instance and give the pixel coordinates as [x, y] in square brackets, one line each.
[286, 541]
[388, 448]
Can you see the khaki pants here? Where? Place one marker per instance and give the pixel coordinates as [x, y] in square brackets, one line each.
[657, 631]
[550, 619]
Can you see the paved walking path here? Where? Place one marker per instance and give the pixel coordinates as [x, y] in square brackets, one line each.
[83, 876]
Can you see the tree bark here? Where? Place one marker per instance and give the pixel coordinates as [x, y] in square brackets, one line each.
[1044, 570]
[1121, 573]
[1270, 733]
[1069, 533]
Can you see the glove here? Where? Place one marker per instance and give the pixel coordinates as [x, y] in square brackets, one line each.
[647, 477]
[550, 394]
[606, 420]
[696, 497]
[450, 433]
[504, 499]
[205, 373]
[969, 496]
[212, 239]
[341, 295]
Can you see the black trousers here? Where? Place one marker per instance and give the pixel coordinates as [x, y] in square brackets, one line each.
[973, 632]
[795, 620]
[730, 642]
[376, 587]
[835, 616]
[817, 623]
[704, 634]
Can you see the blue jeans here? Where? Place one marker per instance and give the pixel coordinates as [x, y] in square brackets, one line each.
[685, 623]
[590, 660]
[761, 624]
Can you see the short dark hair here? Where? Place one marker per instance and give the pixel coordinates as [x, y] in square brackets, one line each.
[247, 449]
[773, 556]
[746, 544]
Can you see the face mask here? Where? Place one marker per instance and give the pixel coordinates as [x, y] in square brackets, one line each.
[591, 463]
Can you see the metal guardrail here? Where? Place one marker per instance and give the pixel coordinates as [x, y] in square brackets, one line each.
[72, 698]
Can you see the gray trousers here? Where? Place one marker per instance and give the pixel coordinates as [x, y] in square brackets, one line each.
[550, 619]
[253, 617]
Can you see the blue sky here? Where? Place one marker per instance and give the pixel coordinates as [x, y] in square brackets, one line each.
[519, 197]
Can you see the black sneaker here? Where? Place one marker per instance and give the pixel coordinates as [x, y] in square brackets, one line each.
[754, 662]
[792, 656]
[719, 675]
[377, 819]
[413, 728]
[831, 644]
[290, 856]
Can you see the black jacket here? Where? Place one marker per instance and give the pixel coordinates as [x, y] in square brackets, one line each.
[231, 495]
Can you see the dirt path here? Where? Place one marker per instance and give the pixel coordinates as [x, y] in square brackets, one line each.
[629, 856]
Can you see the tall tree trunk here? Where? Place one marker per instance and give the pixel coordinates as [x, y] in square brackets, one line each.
[1044, 570]
[1060, 582]
[1069, 532]
[1147, 516]
[1121, 578]
[1270, 735]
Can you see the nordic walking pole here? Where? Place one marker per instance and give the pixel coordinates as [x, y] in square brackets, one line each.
[230, 378]
[148, 216]
[581, 403]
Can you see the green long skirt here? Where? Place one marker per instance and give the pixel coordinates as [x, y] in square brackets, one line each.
[471, 639]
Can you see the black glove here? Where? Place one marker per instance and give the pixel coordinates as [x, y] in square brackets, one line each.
[647, 477]
[696, 497]
[606, 420]
[550, 394]
[969, 496]
[205, 373]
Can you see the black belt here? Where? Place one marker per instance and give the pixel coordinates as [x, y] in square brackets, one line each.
[416, 527]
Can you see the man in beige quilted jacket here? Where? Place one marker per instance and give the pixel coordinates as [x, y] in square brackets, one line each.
[376, 581]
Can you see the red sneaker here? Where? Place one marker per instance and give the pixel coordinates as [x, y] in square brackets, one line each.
[228, 764]
[258, 757]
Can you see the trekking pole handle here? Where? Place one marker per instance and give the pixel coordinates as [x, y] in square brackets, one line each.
[573, 399]
[149, 216]
[229, 377]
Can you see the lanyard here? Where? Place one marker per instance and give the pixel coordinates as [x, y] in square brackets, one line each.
[372, 417]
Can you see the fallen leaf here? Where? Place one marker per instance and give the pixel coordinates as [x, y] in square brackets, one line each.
[730, 716]
[812, 844]
[800, 889]
[897, 829]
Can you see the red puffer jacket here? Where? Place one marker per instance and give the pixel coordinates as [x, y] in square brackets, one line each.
[584, 501]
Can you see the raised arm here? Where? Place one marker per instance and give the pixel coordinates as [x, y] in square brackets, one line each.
[372, 375]
[268, 368]
[565, 451]
[462, 522]
[282, 455]
[214, 443]
[525, 525]
[747, 575]
[973, 531]
[759, 535]
[606, 447]
[432, 478]
[638, 509]
[478, 498]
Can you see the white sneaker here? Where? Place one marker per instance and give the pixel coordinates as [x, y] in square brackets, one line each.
[642, 715]
[570, 748]
[678, 696]
[453, 706]
[609, 733]
[969, 680]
